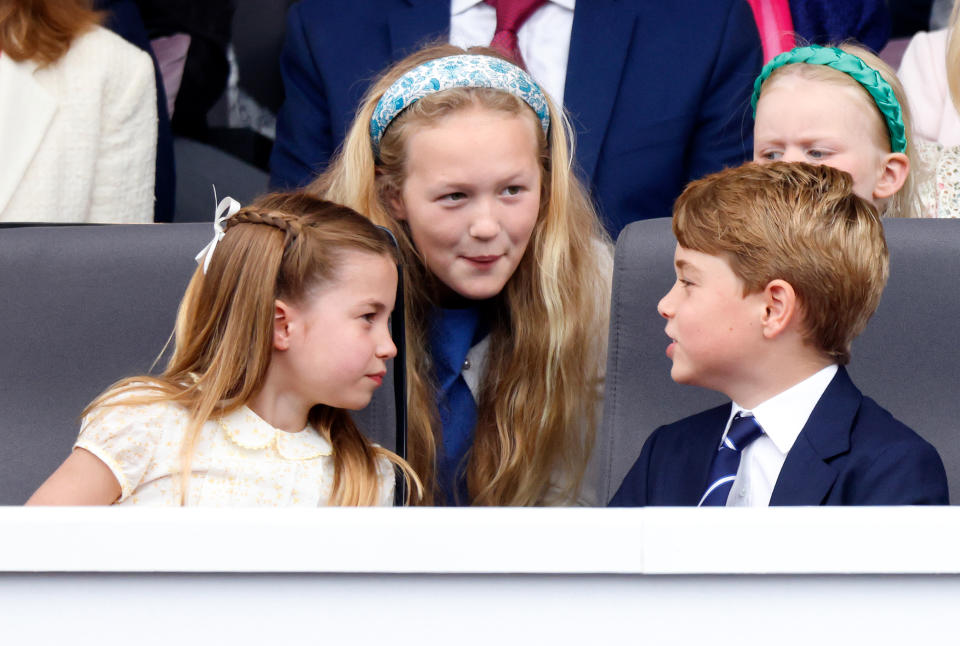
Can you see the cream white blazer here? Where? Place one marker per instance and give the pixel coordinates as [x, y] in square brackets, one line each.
[78, 139]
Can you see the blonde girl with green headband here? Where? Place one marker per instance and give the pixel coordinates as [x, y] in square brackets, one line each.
[844, 107]
[508, 270]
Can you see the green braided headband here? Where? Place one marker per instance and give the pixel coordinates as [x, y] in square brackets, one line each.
[853, 66]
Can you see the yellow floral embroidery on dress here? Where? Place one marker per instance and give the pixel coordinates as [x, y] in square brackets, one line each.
[238, 460]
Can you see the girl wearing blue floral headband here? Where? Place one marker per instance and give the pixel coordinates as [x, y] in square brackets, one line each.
[282, 327]
[469, 162]
[840, 106]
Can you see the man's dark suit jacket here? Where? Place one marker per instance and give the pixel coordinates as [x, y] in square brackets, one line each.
[658, 92]
[850, 452]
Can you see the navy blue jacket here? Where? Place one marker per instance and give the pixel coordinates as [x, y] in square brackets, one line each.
[658, 92]
[850, 452]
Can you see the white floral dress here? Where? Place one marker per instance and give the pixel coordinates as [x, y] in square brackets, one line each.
[239, 460]
[939, 183]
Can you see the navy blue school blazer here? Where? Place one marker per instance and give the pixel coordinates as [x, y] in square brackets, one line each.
[850, 452]
[658, 92]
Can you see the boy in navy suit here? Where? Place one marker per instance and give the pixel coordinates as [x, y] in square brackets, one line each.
[778, 269]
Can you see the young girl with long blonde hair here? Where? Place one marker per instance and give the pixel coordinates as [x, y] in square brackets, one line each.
[844, 107]
[283, 326]
[465, 158]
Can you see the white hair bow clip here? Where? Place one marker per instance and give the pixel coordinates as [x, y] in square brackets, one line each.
[225, 210]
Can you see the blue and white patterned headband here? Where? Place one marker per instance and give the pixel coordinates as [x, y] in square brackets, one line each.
[463, 70]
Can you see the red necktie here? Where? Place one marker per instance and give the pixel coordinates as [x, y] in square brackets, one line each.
[511, 14]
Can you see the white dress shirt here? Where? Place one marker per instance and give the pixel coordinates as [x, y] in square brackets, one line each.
[544, 39]
[781, 417]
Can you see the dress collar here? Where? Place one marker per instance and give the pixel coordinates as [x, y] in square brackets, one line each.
[249, 431]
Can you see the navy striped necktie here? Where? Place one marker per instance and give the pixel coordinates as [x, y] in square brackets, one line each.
[723, 471]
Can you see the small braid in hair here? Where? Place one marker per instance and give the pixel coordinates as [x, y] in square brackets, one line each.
[289, 224]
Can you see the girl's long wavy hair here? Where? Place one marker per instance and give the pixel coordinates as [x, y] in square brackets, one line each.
[42, 30]
[541, 389]
[283, 246]
[905, 203]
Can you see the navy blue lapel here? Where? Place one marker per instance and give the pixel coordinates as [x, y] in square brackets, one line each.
[602, 31]
[806, 477]
[417, 23]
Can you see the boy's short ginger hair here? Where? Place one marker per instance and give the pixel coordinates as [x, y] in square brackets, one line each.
[800, 223]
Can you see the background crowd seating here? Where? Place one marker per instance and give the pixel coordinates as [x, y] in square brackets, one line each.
[200, 167]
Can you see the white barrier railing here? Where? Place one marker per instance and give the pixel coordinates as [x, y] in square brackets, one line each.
[480, 576]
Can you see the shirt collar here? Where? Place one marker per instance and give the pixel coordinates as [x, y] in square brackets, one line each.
[459, 6]
[784, 415]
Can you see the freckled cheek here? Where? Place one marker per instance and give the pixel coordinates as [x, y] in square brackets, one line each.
[737, 327]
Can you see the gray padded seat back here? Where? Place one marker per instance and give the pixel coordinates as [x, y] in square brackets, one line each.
[200, 167]
[639, 394]
[906, 359]
[81, 308]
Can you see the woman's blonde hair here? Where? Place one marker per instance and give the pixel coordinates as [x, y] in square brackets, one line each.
[906, 202]
[551, 315]
[283, 246]
[953, 56]
[42, 30]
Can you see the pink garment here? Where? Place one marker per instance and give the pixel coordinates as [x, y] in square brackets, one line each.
[923, 72]
[171, 53]
[775, 25]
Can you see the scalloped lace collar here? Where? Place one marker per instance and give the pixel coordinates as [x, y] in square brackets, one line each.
[249, 431]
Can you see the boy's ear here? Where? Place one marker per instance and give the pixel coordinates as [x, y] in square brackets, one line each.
[896, 167]
[283, 319]
[780, 307]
